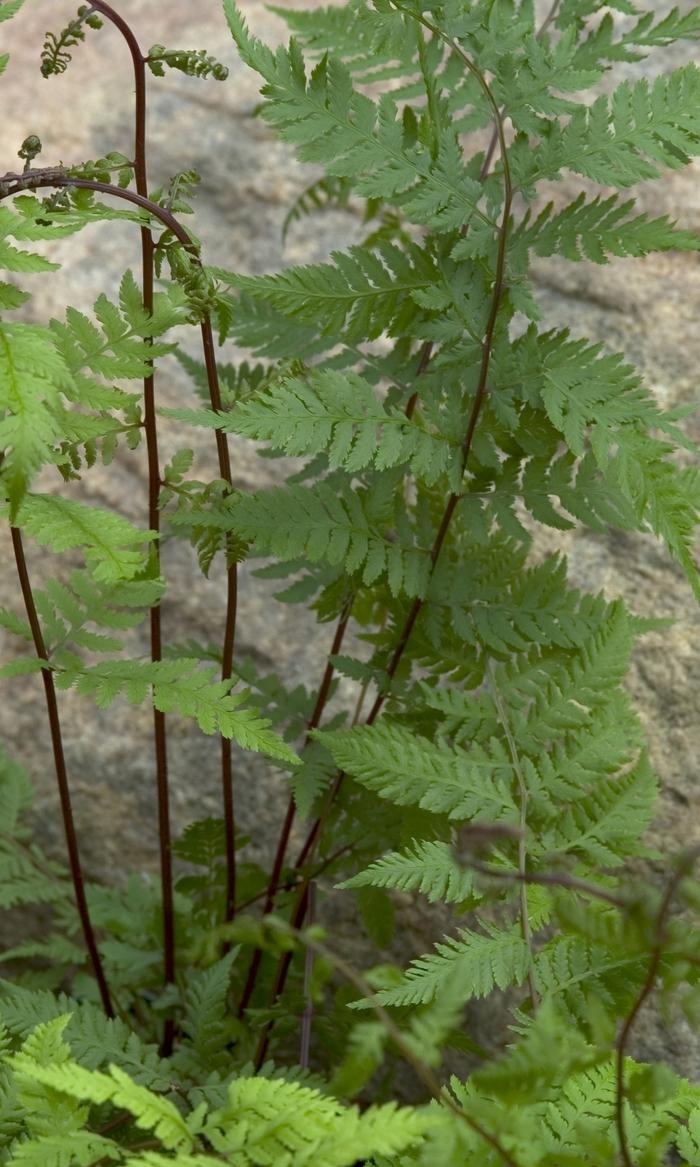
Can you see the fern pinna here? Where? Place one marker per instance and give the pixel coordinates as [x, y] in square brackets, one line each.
[491, 759]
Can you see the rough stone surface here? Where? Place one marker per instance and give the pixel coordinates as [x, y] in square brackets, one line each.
[646, 308]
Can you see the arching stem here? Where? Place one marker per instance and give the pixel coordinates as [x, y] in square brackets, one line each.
[61, 772]
[154, 480]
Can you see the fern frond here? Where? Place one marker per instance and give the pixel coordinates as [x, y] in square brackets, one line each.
[207, 1021]
[9, 8]
[469, 785]
[480, 962]
[79, 1149]
[666, 499]
[67, 609]
[32, 377]
[354, 138]
[106, 539]
[268, 1121]
[178, 686]
[428, 867]
[237, 382]
[24, 222]
[604, 828]
[674, 26]
[118, 348]
[360, 295]
[324, 194]
[192, 62]
[641, 130]
[545, 71]
[371, 43]
[597, 228]
[324, 523]
[151, 1111]
[340, 415]
[574, 971]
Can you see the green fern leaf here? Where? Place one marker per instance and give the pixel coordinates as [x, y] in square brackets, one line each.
[79, 1149]
[597, 228]
[605, 827]
[32, 376]
[270, 1122]
[106, 540]
[641, 130]
[178, 686]
[664, 498]
[207, 1020]
[481, 963]
[321, 195]
[360, 295]
[10, 8]
[674, 26]
[329, 524]
[469, 785]
[151, 1111]
[428, 867]
[330, 122]
[340, 415]
[21, 1010]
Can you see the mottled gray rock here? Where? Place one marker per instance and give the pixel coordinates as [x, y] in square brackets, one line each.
[646, 308]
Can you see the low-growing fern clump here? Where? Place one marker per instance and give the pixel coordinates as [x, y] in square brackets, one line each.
[492, 760]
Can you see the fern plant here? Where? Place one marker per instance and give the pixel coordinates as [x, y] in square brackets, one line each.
[492, 761]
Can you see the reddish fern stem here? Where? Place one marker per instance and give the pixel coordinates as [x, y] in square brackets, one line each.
[34, 179]
[229, 630]
[684, 867]
[274, 884]
[61, 772]
[154, 480]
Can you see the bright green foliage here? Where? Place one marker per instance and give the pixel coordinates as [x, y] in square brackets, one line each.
[405, 768]
[266, 1123]
[598, 228]
[361, 295]
[629, 137]
[177, 686]
[193, 62]
[55, 57]
[338, 526]
[106, 540]
[32, 376]
[340, 415]
[481, 750]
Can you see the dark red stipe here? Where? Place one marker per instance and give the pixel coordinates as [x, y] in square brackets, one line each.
[74, 863]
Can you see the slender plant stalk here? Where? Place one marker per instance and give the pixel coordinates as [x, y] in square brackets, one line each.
[224, 459]
[61, 772]
[278, 864]
[448, 514]
[150, 425]
[308, 1015]
[522, 840]
[154, 481]
[684, 867]
[57, 177]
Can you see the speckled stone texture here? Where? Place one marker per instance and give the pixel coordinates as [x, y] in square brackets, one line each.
[646, 308]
